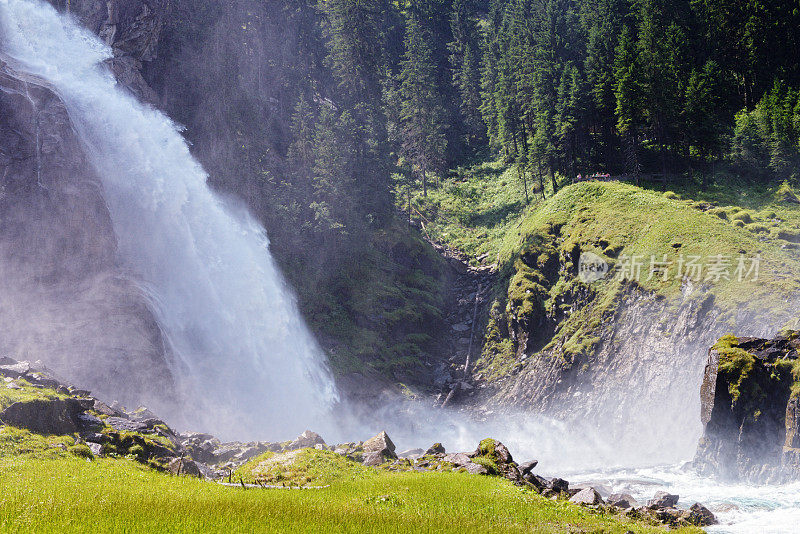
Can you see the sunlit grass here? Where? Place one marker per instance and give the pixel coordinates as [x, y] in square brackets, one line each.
[73, 495]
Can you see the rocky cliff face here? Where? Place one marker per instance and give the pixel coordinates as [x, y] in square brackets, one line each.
[626, 363]
[750, 410]
[65, 299]
[131, 28]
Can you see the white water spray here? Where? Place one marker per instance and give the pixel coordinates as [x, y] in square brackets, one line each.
[243, 359]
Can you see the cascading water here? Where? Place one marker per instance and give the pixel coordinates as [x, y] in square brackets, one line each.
[242, 357]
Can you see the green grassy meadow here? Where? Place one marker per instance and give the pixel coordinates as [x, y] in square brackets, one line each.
[103, 495]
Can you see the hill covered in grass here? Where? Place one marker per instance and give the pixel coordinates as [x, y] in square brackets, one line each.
[684, 267]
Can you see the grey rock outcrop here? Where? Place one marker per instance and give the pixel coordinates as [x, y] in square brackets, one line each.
[131, 28]
[586, 496]
[306, 440]
[48, 417]
[748, 411]
[381, 445]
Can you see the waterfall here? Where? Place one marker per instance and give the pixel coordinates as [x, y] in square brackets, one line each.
[242, 357]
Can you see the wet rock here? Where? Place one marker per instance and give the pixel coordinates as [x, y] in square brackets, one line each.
[751, 420]
[662, 499]
[622, 500]
[586, 496]
[307, 439]
[701, 516]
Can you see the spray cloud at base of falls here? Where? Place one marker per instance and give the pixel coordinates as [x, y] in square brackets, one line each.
[238, 348]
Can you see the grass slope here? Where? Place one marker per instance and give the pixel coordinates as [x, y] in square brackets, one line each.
[74, 495]
[482, 211]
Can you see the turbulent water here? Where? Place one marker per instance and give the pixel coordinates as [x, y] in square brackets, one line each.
[586, 455]
[239, 348]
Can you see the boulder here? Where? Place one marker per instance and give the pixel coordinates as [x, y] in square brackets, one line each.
[527, 467]
[381, 444]
[56, 417]
[662, 499]
[373, 458]
[540, 483]
[622, 500]
[88, 423]
[307, 439]
[460, 459]
[476, 469]
[671, 516]
[498, 454]
[183, 466]
[436, 448]
[701, 516]
[96, 448]
[586, 496]
[558, 484]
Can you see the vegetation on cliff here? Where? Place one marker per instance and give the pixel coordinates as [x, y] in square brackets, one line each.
[537, 247]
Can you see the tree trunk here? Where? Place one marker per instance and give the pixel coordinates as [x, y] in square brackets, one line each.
[521, 174]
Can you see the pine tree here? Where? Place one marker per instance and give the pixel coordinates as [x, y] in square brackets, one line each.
[628, 92]
[422, 114]
[465, 62]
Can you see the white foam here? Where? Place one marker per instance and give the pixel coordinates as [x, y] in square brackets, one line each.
[243, 357]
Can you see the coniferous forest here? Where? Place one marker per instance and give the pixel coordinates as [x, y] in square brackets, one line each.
[334, 110]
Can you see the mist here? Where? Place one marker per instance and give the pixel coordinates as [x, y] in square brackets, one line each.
[236, 346]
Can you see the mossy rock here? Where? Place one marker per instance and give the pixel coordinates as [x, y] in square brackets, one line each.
[757, 228]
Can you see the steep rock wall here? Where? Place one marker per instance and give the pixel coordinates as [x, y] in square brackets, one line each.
[65, 300]
[132, 28]
[750, 410]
